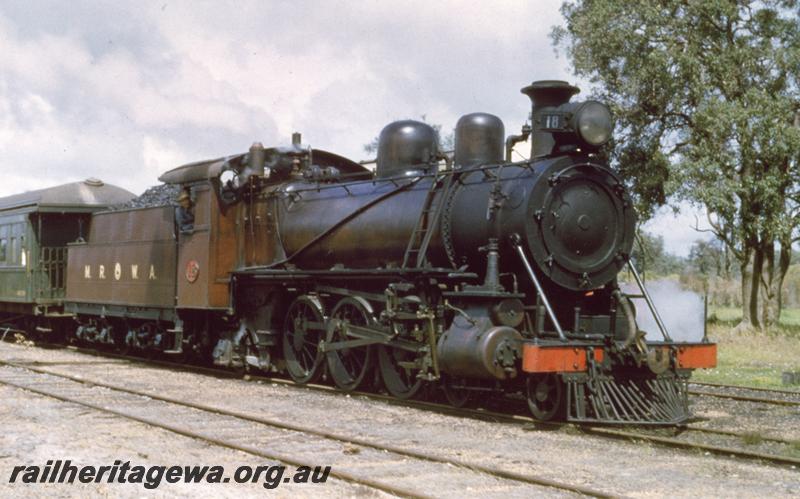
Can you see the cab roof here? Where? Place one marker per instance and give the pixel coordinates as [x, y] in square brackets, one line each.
[76, 197]
[207, 169]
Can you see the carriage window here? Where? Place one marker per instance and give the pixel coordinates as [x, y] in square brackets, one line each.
[3, 250]
[13, 251]
[23, 258]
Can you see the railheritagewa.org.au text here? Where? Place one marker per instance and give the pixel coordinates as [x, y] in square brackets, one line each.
[151, 477]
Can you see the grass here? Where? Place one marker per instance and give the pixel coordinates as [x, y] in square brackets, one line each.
[790, 317]
[755, 359]
[753, 438]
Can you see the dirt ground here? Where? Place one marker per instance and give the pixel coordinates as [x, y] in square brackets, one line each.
[39, 429]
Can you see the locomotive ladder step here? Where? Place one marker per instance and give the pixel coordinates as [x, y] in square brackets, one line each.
[421, 228]
[426, 222]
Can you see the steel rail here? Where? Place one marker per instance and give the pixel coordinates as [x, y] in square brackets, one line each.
[348, 477]
[743, 387]
[674, 442]
[487, 415]
[741, 435]
[745, 398]
[496, 472]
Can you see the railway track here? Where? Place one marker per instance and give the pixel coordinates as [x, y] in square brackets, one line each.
[722, 442]
[343, 452]
[751, 388]
[748, 394]
[687, 440]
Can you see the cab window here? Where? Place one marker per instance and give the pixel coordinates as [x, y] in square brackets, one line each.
[13, 251]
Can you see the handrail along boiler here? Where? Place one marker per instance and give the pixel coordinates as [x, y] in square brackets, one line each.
[470, 273]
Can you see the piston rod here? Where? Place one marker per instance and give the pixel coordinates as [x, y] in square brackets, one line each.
[515, 240]
[649, 301]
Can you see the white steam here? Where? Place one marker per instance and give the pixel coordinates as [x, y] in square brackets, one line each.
[682, 311]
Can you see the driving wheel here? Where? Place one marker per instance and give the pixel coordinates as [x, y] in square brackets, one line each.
[455, 392]
[399, 371]
[349, 366]
[303, 330]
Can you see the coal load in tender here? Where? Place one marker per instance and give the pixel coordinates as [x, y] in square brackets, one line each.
[158, 195]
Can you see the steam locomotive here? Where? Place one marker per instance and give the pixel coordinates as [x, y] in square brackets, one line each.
[468, 272]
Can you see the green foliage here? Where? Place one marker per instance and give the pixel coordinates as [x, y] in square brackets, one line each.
[650, 256]
[789, 320]
[710, 259]
[707, 100]
[705, 95]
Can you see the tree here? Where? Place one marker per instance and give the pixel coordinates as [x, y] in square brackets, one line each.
[709, 258]
[706, 97]
[650, 256]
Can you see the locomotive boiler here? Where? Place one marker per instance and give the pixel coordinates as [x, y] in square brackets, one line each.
[466, 272]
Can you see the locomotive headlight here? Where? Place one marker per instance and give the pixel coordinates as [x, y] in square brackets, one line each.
[593, 124]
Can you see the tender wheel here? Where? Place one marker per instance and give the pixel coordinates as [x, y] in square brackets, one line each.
[303, 330]
[121, 339]
[399, 378]
[545, 394]
[349, 367]
[456, 395]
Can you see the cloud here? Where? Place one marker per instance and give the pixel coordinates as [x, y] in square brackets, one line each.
[679, 228]
[125, 91]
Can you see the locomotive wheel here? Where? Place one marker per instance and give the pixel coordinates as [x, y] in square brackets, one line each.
[303, 330]
[402, 382]
[349, 367]
[149, 351]
[5, 331]
[545, 394]
[122, 344]
[456, 396]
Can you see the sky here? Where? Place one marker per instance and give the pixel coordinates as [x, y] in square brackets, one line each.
[124, 91]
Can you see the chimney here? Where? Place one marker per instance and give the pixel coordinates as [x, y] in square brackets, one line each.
[546, 95]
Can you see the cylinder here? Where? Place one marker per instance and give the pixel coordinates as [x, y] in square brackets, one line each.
[477, 349]
[405, 146]
[479, 140]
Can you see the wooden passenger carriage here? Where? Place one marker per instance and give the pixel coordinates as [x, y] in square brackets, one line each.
[35, 229]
